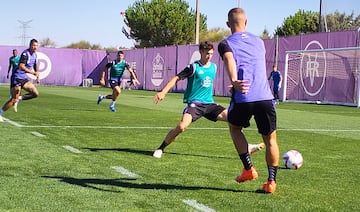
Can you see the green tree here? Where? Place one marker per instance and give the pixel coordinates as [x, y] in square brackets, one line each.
[84, 45]
[301, 22]
[162, 22]
[340, 21]
[307, 22]
[265, 34]
[214, 35]
[47, 42]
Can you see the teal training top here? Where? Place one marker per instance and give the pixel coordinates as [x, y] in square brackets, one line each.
[200, 82]
[14, 61]
[117, 68]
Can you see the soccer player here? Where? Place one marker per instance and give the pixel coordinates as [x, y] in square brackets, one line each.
[13, 62]
[243, 54]
[118, 67]
[198, 96]
[19, 79]
[275, 75]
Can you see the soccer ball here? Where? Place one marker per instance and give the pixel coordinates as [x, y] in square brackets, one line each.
[292, 159]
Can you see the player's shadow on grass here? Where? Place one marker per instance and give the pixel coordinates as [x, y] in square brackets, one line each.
[128, 183]
[150, 153]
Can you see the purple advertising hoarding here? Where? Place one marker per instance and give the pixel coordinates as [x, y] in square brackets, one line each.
[156, 66]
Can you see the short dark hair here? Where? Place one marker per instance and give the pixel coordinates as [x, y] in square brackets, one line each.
[206, 45]
[120, 52]
[33, 41]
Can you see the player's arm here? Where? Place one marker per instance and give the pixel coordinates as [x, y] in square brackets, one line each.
[9, 68]
[188, 71]
[161, 95]
[37, 73]
[103, 72]
[23, 67]
[132, 73]
[230, 66]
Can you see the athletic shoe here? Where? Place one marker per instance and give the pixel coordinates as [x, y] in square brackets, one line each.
[1, 118]
[15, 105]
[100, 98]
[112, 108]
[269, 186]
[252, 148]
[158, 153]
[250, 174]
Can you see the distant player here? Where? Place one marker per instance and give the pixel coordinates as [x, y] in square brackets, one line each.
[275, 75]
[117, 68]
[13, 62]
[198, 96]
[19, 78]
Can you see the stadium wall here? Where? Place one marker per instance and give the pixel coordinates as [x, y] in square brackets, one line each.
[155, 66]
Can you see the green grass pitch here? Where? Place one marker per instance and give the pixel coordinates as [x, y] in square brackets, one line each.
[38, 174]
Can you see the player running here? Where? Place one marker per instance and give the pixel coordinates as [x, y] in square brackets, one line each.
[118, 67]
[19, 78]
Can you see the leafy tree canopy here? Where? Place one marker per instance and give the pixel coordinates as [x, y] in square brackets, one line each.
[162, 22]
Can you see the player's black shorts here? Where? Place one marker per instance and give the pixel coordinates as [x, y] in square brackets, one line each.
[115, 82]
[18, 82]
[239, 114]
[209, 111]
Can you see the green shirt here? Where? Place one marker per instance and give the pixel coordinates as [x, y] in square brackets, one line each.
[200, 82]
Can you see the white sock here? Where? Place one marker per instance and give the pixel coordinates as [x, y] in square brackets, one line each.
[20, 98]
[113, 103]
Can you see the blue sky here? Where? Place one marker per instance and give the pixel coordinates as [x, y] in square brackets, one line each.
[99, 22]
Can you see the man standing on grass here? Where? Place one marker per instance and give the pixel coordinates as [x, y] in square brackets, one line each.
[19, 78]
[243, 54]
[198, 96]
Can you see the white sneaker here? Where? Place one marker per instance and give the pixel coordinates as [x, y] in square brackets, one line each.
[252, 148]
[1, 118]
[15, 105]
[158, 153]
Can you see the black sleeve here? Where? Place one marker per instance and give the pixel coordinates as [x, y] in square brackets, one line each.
[23, 58]
[187, 72]
[223, 47]
[108, 65]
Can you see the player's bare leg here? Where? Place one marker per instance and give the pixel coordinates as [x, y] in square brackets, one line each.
[172, 134]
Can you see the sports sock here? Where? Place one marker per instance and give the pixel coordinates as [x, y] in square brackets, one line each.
[113, 103]
[163, 145]
[20, 98]
[246, 160]
[272, 172]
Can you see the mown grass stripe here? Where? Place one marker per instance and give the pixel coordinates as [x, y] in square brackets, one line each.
[198, 206]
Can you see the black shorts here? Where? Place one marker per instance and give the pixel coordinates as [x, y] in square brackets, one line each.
[115, 82]
[18, 82]
[239, 114]
[209, 111]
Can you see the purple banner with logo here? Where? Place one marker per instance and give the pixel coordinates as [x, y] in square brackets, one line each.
[160, 67]
[156, 66]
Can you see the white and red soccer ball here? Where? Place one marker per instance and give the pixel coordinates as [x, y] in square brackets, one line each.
[292, 159]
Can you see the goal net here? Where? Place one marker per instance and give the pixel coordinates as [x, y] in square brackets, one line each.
[326, 76]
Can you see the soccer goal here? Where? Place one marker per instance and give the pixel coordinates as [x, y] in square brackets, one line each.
[326, 76]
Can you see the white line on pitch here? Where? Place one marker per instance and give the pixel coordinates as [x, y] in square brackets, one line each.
[13, 122]
[124, 171]
[198, 206]
[37, 134]
[72, 149]
[197, 128]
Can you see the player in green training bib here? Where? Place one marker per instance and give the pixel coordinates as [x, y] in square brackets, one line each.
[198, 96]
